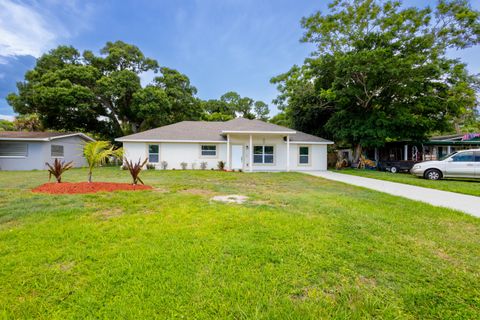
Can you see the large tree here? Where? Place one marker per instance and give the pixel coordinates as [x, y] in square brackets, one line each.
[103, 94]
[231, 105]
[380, 71]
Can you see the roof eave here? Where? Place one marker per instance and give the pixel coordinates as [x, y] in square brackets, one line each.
[23, 139]
[169, 140]
[259, 132]
[311, 142]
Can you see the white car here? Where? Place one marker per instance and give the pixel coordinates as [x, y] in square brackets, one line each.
[461, 164]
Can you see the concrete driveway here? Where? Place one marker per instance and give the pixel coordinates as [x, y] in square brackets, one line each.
[452, 200]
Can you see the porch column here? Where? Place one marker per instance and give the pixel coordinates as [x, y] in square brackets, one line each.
[228, 151]
[449, 149]
[405, 152]
[250, 154]
[288, 153]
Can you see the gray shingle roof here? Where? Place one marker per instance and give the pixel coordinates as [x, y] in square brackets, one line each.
[212, 131]
[38, 135]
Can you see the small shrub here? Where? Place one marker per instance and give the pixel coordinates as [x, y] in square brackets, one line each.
[194, 165]
[183, 165]
[150, 166]
[240, 170]
[221, 165]
[57, 169]
[203, 165]
[164, 165]
[135, 169]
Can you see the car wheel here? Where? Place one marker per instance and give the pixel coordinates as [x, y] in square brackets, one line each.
[393, 170]
[433, 174]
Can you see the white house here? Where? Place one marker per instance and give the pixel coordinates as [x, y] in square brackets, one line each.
[250, 145]
[21, 150]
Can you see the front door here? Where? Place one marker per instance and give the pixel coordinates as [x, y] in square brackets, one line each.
[237, 156]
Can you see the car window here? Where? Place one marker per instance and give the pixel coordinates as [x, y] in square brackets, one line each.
[477, 156]
[447, 156]
[464, 157]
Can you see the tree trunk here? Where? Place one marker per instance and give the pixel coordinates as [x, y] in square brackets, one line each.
[357, 152]
[89, 176]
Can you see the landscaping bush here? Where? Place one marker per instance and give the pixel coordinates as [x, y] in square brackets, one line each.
[183, 165]
[164, 165]
[57, 169]
[203, 165]
[221, 165]
[194, 165]
[97, 153]
[135, 169]
[150, 166]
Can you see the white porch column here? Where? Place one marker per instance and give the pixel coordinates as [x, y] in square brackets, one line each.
[228, 151]
[250, 154]
[449, 149]
[288, 153]
[405, 152]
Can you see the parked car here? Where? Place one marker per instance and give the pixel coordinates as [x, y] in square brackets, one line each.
[461, 164]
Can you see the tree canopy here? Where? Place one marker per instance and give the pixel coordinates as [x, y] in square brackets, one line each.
[380, 71]
[103, 94]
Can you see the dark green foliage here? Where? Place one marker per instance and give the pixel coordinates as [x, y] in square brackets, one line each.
[380, 72]
[103, 94]
[58, 168]
[231, 105]
[221, 165]
[6, 125]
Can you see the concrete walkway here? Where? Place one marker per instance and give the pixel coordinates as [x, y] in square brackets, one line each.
[452, 200]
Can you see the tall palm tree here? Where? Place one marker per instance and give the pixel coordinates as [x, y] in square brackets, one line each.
[97, 152]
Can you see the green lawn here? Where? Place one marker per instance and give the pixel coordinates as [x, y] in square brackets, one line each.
[302, 248]
[466, 186]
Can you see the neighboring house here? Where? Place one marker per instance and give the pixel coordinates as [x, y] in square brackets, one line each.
[21, 150]
[433, 149]
[250, 145]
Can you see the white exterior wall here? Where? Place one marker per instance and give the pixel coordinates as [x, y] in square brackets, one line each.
[38, 152]
[176, 153]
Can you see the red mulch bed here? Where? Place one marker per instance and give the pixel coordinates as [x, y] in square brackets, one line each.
[86, 187]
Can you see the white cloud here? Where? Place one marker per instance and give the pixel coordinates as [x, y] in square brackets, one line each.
[5, 117]
[28, 28]
[22, 30]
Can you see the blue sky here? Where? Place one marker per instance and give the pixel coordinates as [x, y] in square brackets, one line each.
[221, 45]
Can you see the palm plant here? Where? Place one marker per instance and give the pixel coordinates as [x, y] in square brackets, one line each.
[135, 169]
[97, 153]
[57, 169]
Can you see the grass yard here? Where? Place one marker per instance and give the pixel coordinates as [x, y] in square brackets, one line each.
[465, 186]
[302, 248]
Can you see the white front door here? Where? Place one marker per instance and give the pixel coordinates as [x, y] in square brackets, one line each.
[237, 156]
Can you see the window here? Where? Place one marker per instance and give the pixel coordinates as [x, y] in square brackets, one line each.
[209, 151]
[13, 149]
[56, 151]
[303, 155]
[464, 157]
[477, 156]
[263, 154]
[153, 153]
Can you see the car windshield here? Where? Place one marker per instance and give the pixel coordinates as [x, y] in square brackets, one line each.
[447, 156]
